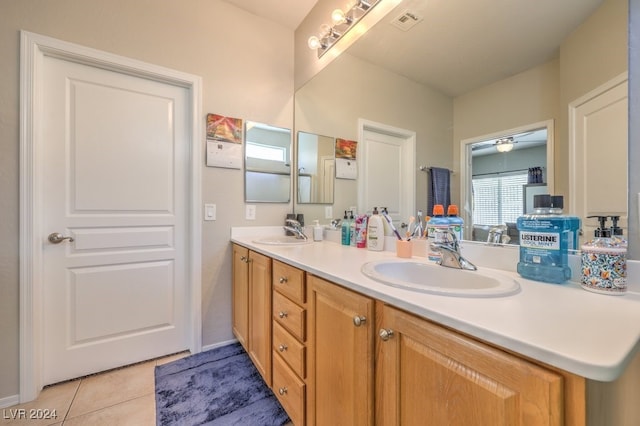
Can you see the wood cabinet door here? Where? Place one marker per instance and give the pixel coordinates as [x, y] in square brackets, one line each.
[240, 294]
[340, 355]
[426, 374]
[260, 313]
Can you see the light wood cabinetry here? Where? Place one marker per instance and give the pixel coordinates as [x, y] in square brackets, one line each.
[341, 356]
[289, 337]
[425, 371]
[260, 313]
[240, 294]
[336, 357]
[252, 306]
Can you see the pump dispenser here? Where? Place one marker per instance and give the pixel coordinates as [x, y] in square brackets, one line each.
[375, 232]
[345, 230]
[604, 260]
[616, 232]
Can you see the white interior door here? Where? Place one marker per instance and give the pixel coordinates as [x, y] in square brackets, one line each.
[115, 180]
[386, 170]
[598, 127]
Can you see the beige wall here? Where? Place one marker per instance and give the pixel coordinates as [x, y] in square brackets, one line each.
[246, 64]
[348, 89]
[593, 54]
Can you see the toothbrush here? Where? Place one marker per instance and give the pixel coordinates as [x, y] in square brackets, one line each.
[411, 220]
[393, 228]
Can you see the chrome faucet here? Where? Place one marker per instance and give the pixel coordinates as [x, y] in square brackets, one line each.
[498, 235]
[449, 248]
[296, 228]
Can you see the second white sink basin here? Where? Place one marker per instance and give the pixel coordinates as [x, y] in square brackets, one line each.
[428, 277]
[282, 240]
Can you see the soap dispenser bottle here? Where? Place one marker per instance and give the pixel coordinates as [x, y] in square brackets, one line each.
[375, 232]
[604, 261]
[317, 231]
[345, 230]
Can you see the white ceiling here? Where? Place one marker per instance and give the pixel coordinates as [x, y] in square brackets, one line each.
[288, 13]
[459, 45]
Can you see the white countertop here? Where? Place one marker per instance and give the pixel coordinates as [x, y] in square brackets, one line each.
[588, 334]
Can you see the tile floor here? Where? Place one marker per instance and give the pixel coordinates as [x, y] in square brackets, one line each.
[118, 397]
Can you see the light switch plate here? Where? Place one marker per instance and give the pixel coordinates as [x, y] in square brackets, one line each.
[250, 212]
[328, 212]
[209, 212]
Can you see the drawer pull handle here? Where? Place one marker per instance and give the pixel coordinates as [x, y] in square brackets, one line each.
[283, 314]
[283, 280]
[282, 391]
[386, 334]
[282, 347]
[359, 320]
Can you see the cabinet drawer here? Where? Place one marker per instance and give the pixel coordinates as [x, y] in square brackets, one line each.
[289, 315]
[289, 390]
[292, 351]
[289, 281]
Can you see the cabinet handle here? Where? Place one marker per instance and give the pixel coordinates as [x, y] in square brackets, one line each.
[283, 280]
[282, 391]
[386, 334]
[282, 347]
[244, 259]
[359, 320]
[283, 314]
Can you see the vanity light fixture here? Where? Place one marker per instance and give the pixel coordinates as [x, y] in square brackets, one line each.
[504, 144]
[342, 22]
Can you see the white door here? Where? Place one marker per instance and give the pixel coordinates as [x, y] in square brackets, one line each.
[386, 170]
[115, 180]
[599, 127]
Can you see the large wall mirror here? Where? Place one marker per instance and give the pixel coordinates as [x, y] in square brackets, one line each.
[267, 161]
[492, 72]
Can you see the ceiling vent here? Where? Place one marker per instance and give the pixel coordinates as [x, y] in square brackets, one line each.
[406, 20]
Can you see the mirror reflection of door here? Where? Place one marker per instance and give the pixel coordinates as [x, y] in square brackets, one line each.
[505, 171]
[316, 168]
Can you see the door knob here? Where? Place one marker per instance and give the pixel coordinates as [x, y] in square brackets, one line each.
[57, 238]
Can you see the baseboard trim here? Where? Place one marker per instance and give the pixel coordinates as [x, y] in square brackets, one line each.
[217, 345]
[9, 401]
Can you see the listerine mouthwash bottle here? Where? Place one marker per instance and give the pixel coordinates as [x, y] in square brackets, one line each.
[546, 236]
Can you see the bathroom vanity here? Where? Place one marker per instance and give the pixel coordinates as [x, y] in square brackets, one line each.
[345, 349]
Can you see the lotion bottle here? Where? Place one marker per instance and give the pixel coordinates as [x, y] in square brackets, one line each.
[375, 232]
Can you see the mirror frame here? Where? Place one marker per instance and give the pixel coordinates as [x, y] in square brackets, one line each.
[466, 172]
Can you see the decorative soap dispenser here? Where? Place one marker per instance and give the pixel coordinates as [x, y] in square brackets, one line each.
[604, 262]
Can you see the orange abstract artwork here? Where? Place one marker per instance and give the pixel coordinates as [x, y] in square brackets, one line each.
[227, 129]
[346, 149]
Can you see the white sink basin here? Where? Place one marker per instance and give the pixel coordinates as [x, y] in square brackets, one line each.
[431, 278]
[282, 240]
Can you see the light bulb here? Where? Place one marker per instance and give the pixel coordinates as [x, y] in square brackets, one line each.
[504, 146]
[314, 42]
[338, 17]
[325, 30]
